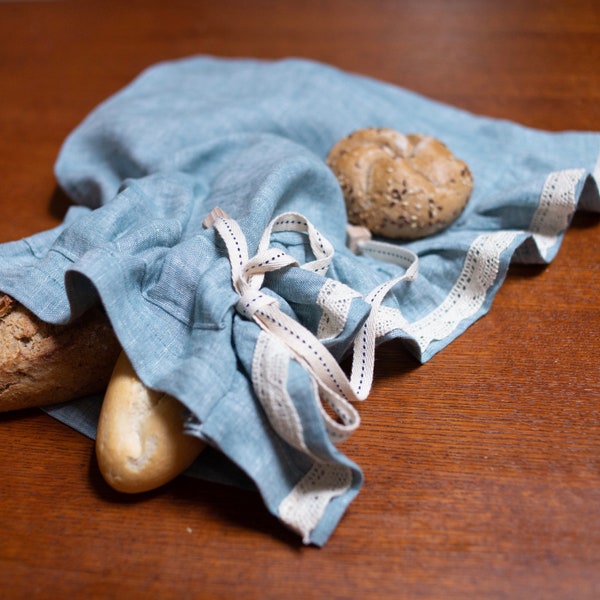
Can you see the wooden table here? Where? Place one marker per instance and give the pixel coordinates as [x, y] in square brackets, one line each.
[482, 466]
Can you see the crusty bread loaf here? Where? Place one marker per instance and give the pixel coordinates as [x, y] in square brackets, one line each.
[141, 443]
[400, 186]
[43, 364]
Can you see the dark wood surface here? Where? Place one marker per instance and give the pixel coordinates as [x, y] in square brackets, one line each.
[482, 467]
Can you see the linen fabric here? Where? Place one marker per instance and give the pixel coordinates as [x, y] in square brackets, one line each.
[147, 167]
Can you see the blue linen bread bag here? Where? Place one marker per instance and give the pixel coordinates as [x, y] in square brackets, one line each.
[210, 228]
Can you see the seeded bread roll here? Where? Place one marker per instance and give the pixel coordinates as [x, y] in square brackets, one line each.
[141, 443]
[44, 364]
[400, 186]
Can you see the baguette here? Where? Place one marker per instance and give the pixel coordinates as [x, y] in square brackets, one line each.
[43, 364]
[141, 443]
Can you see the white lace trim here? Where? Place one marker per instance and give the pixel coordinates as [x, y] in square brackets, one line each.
[388, 319]
[557, 204]
[464, 300]
[468, 293]
[269, 377]
[335, 299]
[304, 506]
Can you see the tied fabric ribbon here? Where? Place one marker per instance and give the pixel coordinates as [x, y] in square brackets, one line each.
[247, 274]
[363, 361]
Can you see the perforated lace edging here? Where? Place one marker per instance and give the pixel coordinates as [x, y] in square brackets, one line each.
[481, 266]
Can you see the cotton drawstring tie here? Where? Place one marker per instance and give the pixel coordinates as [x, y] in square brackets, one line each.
[247, 276]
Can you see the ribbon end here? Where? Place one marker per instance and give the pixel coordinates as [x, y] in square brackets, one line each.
[356, 235]
[215, 213]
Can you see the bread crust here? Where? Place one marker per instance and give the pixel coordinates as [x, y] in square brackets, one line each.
[43, 364]
[400, 186]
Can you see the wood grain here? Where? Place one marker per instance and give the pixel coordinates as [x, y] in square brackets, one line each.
[482, 466]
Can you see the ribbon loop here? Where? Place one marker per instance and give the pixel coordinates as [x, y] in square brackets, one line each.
[334, 391]
[363, 362]
[270, 260]
[332, 385]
